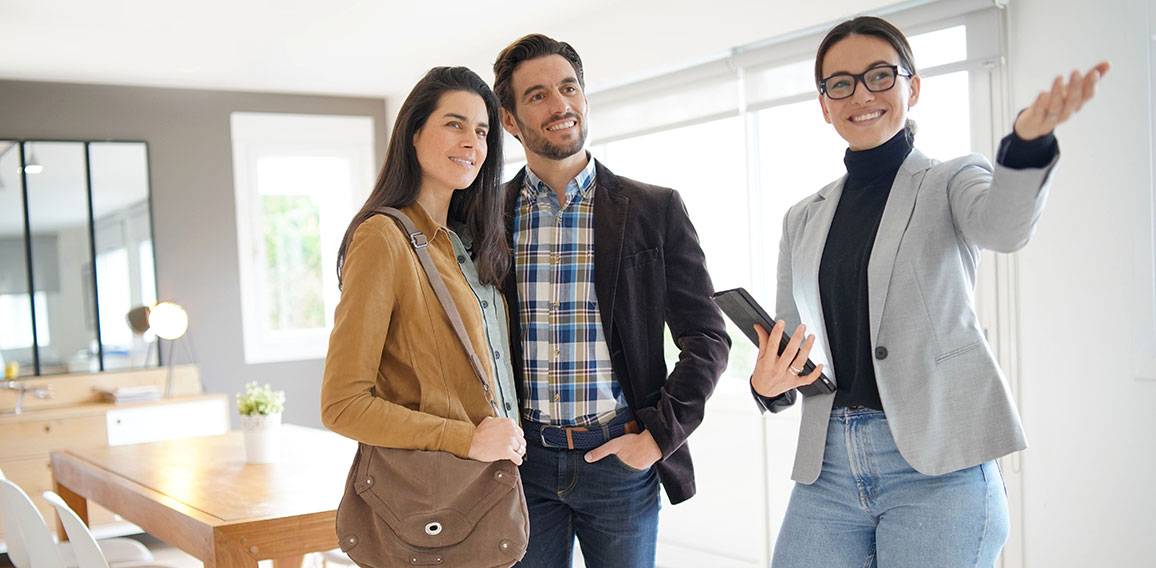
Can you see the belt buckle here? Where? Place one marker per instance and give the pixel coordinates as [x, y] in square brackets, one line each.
[567, 433]
[542, 435]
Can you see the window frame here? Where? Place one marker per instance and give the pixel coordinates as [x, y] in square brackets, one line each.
[275, 135]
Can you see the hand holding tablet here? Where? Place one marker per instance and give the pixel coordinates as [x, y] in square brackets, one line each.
[776, 370]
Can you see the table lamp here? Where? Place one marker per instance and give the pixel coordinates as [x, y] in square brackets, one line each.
[167, 320]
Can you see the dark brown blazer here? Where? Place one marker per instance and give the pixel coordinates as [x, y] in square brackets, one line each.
[648, 270]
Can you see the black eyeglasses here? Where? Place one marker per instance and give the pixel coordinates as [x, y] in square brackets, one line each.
[877, 79]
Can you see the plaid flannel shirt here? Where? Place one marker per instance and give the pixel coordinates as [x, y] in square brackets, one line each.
[568, 377]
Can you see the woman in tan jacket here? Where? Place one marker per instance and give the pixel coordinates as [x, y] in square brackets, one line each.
[396, 375]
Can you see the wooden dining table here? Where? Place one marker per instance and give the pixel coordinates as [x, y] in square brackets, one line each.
[199, 494]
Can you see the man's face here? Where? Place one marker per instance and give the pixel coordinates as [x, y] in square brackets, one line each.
[550, 108]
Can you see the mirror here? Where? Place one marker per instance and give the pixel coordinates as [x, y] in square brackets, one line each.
[122, 237]
[16, 353]
[76, 229]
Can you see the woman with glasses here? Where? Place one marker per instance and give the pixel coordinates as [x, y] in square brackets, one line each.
[897, 466]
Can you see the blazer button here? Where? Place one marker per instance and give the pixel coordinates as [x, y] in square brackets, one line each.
[881, 353]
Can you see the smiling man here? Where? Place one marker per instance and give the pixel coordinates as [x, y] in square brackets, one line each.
[601, 262]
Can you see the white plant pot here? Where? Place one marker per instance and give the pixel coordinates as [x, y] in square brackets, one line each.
[262, 437]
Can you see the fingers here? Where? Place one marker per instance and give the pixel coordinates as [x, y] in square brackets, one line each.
[602, 451]
[498, 439]
[1068, 97]
[517, 442]
[773, 339]
[800, 359]
[776, 374]
[764, 340]
[1092, 78]
[810, 377]
[515, 449]
[1073, 95]
[515, 457]
[1055, 104]
[795, 341]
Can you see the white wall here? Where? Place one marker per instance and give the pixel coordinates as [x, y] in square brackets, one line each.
[1085, 290]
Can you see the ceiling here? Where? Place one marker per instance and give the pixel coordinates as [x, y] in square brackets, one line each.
[373, 47]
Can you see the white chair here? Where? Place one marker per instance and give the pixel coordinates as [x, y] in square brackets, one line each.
[26, 533]
[29, 542]
[88, 552]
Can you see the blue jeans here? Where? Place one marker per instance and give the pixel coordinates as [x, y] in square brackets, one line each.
[611, 507]
[869, 508]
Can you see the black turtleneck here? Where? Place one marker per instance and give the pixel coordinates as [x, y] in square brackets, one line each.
[843, 268]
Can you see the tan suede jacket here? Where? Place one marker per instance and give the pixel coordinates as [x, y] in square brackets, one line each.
[392, 337]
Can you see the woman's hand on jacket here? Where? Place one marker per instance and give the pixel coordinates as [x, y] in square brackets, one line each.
[498, 439]
[1054, 107]
[776, 374]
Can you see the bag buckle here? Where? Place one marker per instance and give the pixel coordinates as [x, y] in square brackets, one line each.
[418, 239]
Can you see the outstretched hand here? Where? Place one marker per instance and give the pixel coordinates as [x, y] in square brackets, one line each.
[1054, 107]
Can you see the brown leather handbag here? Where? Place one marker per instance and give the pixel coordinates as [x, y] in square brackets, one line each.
[430, 508]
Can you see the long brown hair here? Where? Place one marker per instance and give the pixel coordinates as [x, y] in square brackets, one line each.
[478, 207]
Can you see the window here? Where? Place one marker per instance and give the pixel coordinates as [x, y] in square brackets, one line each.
[298, 180]
[15, 310]
[112, 280]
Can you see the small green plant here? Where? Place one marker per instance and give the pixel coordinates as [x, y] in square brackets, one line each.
[260, 400]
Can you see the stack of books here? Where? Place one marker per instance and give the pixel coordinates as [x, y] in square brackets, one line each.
[131, 394]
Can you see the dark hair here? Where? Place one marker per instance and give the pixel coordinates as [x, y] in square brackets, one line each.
[867, 26]
[479, 206]
[875, 27]
[529, 47]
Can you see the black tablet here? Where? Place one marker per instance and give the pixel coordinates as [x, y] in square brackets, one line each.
[738, 305]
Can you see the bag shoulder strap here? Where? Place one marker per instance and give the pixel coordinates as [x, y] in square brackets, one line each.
[418, 240]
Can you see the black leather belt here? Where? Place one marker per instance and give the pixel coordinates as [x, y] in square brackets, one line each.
[580, 437]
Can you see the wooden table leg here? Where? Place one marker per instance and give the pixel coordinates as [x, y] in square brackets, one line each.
[229, 553]
[291, 562]
[75, 502]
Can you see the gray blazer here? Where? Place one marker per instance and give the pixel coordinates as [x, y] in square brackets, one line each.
[947, 402]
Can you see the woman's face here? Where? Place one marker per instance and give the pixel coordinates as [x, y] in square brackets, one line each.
[865, 119]
[451, 145]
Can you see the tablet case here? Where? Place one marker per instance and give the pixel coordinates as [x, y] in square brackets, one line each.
[742, 309]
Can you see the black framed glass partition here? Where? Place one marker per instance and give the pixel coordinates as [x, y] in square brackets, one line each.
[76, 255]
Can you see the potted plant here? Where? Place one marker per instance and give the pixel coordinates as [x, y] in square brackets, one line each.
[260, 408]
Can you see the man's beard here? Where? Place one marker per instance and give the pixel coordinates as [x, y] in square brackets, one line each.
[539, 145]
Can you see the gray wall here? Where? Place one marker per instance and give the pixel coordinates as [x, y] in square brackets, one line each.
[190, 156]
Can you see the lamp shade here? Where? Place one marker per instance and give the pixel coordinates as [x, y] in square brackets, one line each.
[168, 320]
